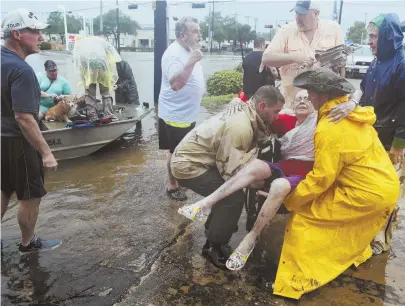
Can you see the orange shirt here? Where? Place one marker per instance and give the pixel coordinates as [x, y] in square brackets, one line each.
[289, 39]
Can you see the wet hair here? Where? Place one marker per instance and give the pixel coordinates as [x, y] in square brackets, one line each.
[268, 94]
[181, 25]
[48, 64]
[259, 42]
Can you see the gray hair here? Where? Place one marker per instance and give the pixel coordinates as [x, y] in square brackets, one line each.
[181, 25]
[372, 27]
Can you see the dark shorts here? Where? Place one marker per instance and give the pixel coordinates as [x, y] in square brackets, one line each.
[293, 179]
[170, 136]
[22, 170]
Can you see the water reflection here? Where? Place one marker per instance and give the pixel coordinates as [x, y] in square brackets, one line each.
[24, 280]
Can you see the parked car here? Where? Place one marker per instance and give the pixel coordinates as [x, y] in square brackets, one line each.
[358, 62]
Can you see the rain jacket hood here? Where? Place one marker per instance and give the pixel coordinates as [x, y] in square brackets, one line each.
[384, 84]
[390, 37]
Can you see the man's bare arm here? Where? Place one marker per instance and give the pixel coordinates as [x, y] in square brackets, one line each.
[277, 59]
[30, 129]
[180, 80]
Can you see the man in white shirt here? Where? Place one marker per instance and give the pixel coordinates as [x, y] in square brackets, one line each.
[182, 89]
[293, 47]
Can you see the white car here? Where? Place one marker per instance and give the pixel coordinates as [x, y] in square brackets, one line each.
[357, 63]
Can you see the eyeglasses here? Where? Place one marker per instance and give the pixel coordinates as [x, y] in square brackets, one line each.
[301, 99]
[53, 70]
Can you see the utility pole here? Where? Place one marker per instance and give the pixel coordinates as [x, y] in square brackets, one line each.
[161, 32]
[340, 11]
[256, 19]
[118, 30]
[101, 16]
[212, 24]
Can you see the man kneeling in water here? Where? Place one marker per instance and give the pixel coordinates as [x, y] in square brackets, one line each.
[297, 148]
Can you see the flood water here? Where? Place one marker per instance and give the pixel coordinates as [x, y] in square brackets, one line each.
[125, 244]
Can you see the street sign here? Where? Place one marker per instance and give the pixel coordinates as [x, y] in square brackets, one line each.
[132, 6]
[197, 5]
[268, 26]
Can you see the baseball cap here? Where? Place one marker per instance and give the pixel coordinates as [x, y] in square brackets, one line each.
[21, 19]
[324, 81]
[302, 7]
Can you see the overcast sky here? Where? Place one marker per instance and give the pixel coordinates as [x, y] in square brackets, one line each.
[266, 12]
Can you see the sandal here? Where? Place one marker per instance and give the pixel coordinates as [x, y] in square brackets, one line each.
[176, 194]
[192, 212]
[237, 260]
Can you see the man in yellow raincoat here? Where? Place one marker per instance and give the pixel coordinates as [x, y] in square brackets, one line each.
[341, 205]
[95, 59]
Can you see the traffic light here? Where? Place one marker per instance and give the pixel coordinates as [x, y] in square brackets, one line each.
[197, 5]
[133, 6]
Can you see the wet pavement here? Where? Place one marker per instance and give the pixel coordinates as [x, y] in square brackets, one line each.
[125, 244]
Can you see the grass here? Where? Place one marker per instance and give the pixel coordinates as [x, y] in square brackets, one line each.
[218, 100]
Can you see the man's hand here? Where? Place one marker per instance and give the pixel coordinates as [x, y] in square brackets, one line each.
[52, 96]
[49, 162]
[304, 60]
[196, 56]
[341, 111]
[262, 193]
[397, 155]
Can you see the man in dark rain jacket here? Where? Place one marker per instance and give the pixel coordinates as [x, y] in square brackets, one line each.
[383, 87]
[126, 90]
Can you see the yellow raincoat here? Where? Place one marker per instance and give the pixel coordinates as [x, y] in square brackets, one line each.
[95, 60]
[340, 206]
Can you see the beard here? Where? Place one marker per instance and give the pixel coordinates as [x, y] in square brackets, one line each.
[193, 45]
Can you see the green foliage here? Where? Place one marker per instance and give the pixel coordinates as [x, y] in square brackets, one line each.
[224, 83]
[127, 25]
[57, 24]
[45, 45]
[239, 68]
[357, 32]
[227, 28]
[218, 100]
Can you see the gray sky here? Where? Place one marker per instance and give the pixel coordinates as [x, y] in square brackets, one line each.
[267, 12]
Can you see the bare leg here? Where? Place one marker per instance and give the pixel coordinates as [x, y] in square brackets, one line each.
[27, 219]
[172, 180]
[278, 191]
[255, 171]
[4, 204]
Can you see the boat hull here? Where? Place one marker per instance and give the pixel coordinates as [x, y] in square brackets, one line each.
[67, 143]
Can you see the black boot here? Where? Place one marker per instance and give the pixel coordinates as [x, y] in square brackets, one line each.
[218, 254]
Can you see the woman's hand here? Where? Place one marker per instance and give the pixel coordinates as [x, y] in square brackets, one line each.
[341, 111]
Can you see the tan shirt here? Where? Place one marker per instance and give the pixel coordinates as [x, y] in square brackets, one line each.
[289, 40]
[225, 142]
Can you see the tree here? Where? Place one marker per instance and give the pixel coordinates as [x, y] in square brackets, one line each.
[127, 25]
[219, 34]
[57, 24]
[267, 35]
[357, 32]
